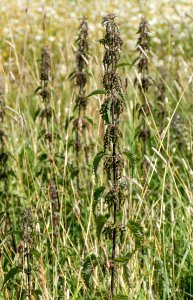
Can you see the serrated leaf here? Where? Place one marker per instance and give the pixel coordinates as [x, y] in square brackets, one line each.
[100, 222]
[104, 114]
[131, 159]
[11, 274]
[137, 231]
[97, 92]
[97, 195]
[97, 160]
[88, 267]
[98, 192]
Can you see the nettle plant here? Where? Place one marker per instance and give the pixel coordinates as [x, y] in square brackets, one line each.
[109, 224]
[5, 170]
[47, 116]
[80, 119]
[143, 82]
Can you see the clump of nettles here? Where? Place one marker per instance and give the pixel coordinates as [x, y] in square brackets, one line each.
[143, 82]
[80, 123]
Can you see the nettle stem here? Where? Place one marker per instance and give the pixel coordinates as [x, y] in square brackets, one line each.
[114, 179]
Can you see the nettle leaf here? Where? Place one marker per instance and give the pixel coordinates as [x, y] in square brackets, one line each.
[72, 75]
[123, 259]
[98, 192]
[100, 222]
[89, 119]
[68, 121]
[37, 294]
[11, 274]
[137, 231]
[88, 268]
[97, 160]
[121, 297]
[123, 65]
[131, 159]
[97, 92]
[16, 232]
[105, 115]
[37, 90]
[102, 295]
[35, 253]
[2, 215]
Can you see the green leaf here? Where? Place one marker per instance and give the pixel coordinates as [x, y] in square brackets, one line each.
[72, 75]
[2, 214]
[89, 265]
[96, 92]
[37, 90]
[101, 295]
[11, 274]
[104, 114]
[35, 253]
[100, 222]
[37, 294]
[137, 231]
[97, 160]
[123, 259]
[68, 121]
[123, 65]
[12, 232]
[131, 159]
[24, 294]
[97, 195]
[121, 297]
[90, 120]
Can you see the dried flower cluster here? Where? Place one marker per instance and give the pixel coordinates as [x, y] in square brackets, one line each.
[44, 91]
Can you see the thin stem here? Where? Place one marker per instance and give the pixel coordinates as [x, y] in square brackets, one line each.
[114, 185]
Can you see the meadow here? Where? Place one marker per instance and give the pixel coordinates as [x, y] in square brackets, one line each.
[96, 150]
